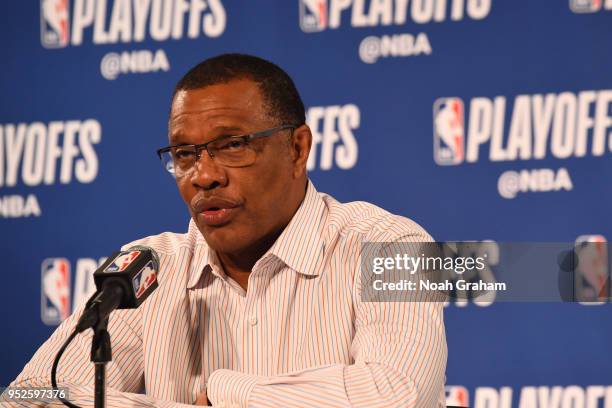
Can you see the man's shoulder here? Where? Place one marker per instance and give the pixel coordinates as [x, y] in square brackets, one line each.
[166, 243]
[371, 222]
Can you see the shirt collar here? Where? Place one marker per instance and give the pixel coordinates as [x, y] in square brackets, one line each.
[201, 257]
[301, 245]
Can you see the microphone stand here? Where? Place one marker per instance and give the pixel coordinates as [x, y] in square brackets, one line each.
[101, 354]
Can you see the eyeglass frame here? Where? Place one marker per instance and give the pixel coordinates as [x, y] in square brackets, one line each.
[204, 146]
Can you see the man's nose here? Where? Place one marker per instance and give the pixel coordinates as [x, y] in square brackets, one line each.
[207, 174]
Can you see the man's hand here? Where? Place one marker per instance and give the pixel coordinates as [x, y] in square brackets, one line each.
[202, 399]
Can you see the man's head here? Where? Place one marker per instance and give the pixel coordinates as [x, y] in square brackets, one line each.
[278, 90]
[241, 210]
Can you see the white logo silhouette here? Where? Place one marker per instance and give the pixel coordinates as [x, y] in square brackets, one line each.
[55, 287]
[449, 126]
[55, 13]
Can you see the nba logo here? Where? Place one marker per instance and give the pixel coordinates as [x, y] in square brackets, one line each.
[585, 6]
[448, 131]
[144, 279]
[54, 27]
[55, 290]
[122, 261]
[592, 280]
[457, 396]
[313, 15]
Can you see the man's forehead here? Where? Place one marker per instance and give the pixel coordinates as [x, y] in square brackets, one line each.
[240, 94]
[203, 128]
[227, 108]
[219, 117]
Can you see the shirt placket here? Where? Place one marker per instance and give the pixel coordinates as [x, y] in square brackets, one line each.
[253, 317]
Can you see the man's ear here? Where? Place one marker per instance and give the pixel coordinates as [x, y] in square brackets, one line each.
[301, 140]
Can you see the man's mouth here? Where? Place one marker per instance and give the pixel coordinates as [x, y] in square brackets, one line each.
[214, 211]
[216, 217]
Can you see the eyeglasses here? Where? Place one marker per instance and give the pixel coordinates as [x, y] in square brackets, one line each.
[230, 151]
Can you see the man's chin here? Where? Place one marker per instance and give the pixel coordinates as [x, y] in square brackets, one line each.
[222, 239]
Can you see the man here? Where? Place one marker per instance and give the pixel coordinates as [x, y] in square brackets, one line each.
[259, 303]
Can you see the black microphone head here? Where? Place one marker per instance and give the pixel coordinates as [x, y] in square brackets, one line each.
[135, 269]
[153, 254]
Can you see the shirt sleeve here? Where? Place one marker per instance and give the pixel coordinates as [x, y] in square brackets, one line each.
[399, 352]
[124, 374]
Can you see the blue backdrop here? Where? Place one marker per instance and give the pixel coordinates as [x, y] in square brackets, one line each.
[479, 119]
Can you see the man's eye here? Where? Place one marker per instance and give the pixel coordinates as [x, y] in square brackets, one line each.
[182, 154]
[233, 145]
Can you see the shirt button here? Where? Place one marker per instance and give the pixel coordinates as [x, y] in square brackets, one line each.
[253, 320]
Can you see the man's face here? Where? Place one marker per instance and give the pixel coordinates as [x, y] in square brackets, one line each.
[235, 208]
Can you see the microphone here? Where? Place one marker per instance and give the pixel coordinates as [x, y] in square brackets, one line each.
[124, 281]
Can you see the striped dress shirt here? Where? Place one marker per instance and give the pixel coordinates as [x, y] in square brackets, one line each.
[300, 336]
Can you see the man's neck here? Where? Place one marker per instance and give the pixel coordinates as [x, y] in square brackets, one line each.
[238, 266]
